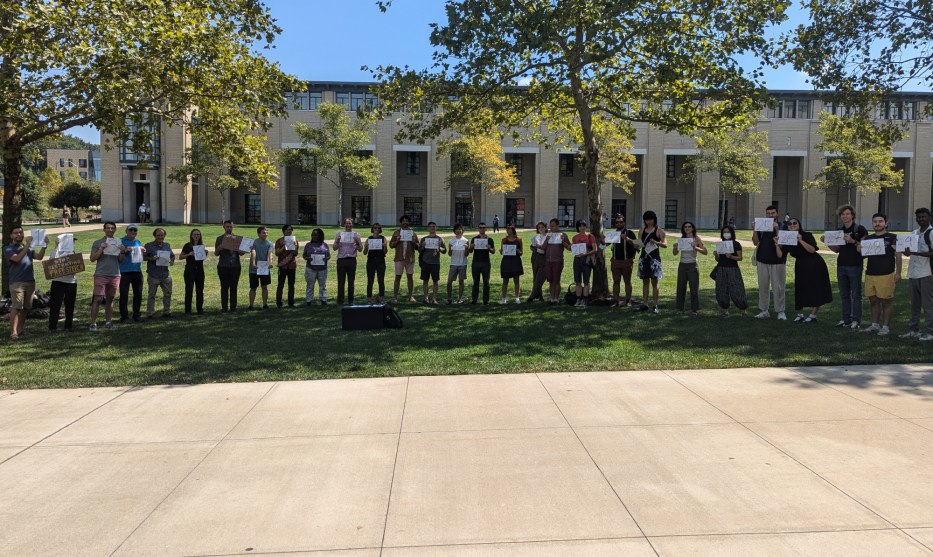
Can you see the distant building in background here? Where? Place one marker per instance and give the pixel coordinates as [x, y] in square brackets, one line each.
[85, 163]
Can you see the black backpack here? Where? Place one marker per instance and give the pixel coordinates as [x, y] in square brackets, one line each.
[570, 298]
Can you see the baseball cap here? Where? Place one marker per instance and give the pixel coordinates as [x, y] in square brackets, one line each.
[132, 227]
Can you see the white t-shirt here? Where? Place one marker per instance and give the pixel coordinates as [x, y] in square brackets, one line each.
[457, 249]
[919, 267]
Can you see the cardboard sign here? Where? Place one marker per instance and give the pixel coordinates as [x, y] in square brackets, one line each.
[231, 243]
[63, 266]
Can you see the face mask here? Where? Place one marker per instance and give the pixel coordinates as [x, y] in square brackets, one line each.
[726, 236]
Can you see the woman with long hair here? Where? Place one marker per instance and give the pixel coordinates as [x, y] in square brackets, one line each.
[689, 245]
[194, 272]
[729, 283]
[812, 288]
[650, 270]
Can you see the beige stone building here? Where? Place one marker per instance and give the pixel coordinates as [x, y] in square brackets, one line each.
[551, 181]
[85, 163]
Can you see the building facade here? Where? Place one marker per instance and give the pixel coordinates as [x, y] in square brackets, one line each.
[413, 180]
[85, 163]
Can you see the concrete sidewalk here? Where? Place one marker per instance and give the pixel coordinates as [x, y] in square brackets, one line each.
[808, 461]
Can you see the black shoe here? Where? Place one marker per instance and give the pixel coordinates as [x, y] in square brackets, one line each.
[124, 319]
[232, 310]
[224, 310]
[136, 319]
[307, 304]
[323, 302]
[265, 306]
[473, 302]
[249, 308]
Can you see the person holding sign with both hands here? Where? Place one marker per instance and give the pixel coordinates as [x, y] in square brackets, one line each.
[583, 248]
[286, 252]
[882, 273]
[649, 264]
[260, 262]
[481, 246]
[811, 277]
[511, 266]
[375, 250]
[431, 247]
[688, 246]
[159, 256]
[194, 255]
[555, 243]
[22, 279]
[347, 244]
[730, 286]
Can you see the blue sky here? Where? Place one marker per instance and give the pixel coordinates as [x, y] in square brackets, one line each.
[326, 40]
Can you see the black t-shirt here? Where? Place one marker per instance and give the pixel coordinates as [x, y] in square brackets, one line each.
[378, 254]
[482, 255]
[798, 251]
[848, 254]
[767, 252]
[623, 251]
[880, 265]
[190, 261]
[728, 262]
[227, 258]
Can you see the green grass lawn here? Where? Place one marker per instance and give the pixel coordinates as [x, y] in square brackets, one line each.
[308, 343]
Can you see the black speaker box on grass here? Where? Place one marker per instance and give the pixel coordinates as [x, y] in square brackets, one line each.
[368, 318]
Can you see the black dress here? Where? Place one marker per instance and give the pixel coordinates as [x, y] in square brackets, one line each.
[811, 277]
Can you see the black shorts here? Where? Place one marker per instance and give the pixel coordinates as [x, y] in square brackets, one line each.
[256, 280]
[431, 271]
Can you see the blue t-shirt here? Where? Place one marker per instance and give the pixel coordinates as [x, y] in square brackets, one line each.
[22, 271]
[262, 248]
[127, 265]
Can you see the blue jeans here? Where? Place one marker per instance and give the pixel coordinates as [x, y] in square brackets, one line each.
[850, 290]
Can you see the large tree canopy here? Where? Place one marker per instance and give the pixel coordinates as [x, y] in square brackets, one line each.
[866, 45]
[553, 68]
[116, 64]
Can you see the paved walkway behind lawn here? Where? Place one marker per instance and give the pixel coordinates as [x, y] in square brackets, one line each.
[809, 461]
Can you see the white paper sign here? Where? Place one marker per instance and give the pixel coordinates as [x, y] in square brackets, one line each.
[911, 241]
[555, 238]
[509, 249]
[38, 238]
[430, 243]
[136, 254]
[246, 244]
[650, 247]
[834, 238]
[724, 248]
[787, 237]
[458, 244]
[262, 268]
[406, 235]
[317, 259]
[291, 243]
[764, 224]
[614, 237]
[578, 249]
[480, 243]
[873, 247]
[66, 243]
[685, 244]
[200, 253]
[346, 237]
[113, 246]
[163, 258]
[375, 244]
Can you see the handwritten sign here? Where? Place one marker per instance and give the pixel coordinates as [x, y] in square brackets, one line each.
[834, 238]
[113, 246]
[430, 243]
[872, 247]
[375, 244]
[291, 243]
[66, 243]
[262, 268]
[317, 259]
[406, 235]
[246, 244]
[787, 237]
[163, 258]
[38, 238]
[909, 241]
[346, 237]
[725, 247]
[685, 244]
[509, 249]
[650, 247]
[200, 253]
[63, 266]
[765, 224]
[614, 237]
[136, 255]
[555, 238]
[231, 242]
[480, 243]
[578, 249]
[458, 244]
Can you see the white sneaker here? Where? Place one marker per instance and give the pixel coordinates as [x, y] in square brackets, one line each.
[883, 331]
[873, 328]
[518, 300]
[854, 325]
[657, 309]
[763, 315]
[925, 337]
[842, 323]
[502, 302]
[910, 334]
[92, 328]
[781, 316]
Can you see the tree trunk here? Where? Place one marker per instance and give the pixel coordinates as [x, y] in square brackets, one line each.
[12, 203]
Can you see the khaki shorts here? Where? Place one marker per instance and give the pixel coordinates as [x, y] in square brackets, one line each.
[407, 266]
[22, 294]
[880, 286]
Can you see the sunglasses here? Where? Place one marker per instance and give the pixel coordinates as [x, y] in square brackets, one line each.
[793, 223]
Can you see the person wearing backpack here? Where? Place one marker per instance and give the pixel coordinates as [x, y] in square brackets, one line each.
[920, 279]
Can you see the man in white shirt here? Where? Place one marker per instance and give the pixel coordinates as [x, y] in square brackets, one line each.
[920, 279]
[142, 212]
[457, 248]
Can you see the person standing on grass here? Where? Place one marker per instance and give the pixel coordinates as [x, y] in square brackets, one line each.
[556, 243]
[772, 269]
[131, 275]
[347, 244]
[458, 248]
[261, 252]
[66, 216]
[157, 273]
[404, 257]
[431, 261]
[20, 256]
[811, 277]
[316, 253]
[287, 262]
[687, 271]
[583, 264]
[375, 250]
[730, 286]
[650, 270]
[920, 279]
[63, 292]
[538, 247]
[194, 272]
[481, 264]
[882, 273]
[228, 269]
[849, 267]
[622, 261]
[511, 267]
[106, 274]
[495, 223]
